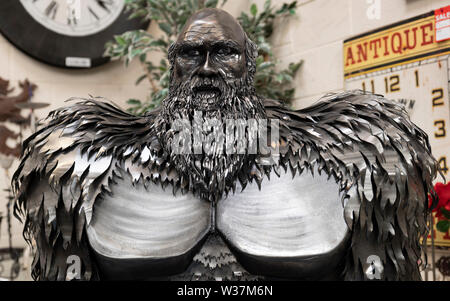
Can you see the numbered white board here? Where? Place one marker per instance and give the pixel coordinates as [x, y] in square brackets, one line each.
[423, 88]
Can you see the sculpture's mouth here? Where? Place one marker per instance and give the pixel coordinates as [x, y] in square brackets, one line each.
[207, 91]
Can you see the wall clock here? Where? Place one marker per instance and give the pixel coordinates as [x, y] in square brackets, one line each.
[65, 33]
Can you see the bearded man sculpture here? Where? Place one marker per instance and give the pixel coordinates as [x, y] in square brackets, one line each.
[344, 196]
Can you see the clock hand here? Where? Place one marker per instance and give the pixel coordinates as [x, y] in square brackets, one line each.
[93, 13]
[103, 4]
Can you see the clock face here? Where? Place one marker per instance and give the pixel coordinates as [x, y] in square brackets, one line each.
[74, 17]
[65, 33]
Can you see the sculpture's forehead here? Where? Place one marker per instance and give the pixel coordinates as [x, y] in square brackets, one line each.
[212, 27]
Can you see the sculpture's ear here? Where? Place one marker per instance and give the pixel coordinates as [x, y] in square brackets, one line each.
[251, 53]
[171, 53]
[251, 50]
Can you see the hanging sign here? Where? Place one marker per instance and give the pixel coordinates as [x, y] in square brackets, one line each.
[442, 20]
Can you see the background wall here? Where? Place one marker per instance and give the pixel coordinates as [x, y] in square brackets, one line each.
[315, 35]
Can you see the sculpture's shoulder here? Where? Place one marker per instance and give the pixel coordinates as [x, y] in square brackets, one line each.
[92, 127]
[354, 126]
[76, 146]
[90, 122]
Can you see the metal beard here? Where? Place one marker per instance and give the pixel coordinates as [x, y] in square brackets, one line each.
[214, 100]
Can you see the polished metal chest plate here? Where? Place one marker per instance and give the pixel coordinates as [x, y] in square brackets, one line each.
[288, 217]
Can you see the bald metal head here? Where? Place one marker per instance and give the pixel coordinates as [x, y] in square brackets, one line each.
[212, 23]
[212, 44]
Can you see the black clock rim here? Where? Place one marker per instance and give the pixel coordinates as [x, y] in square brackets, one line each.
[49, 47]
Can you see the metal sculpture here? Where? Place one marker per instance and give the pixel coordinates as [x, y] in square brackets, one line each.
[341, 194]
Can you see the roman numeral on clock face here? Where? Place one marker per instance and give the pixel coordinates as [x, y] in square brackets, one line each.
[51, 9]
[74, 17]
[92, 12]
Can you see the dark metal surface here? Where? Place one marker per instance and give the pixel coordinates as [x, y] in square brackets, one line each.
[363, 145]
[443, 264]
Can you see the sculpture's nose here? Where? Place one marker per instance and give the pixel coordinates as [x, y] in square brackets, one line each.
[207, 68]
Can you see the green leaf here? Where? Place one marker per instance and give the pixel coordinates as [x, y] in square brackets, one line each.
[159, 42]
[135, 52]
[211, 3]
[140, 79]
[120, 40]
[138, 14]
[133, 101]
[259, 59]
[289, 93]
[166, 28]
[264, 47]
[279, 78]
[445, 212]
[142, 58]
[295, 66]
[443, 226]
[267, 5]
[253, 9]
[244, 20]
[288, 78]
[265, 65]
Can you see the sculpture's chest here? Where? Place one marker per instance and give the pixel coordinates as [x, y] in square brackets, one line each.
[291, 227]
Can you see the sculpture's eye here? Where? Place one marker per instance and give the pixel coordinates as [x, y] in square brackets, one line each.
[226, 51]
[190, 52]
[193, 52]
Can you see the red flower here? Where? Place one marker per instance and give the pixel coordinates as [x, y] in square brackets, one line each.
[443, 192]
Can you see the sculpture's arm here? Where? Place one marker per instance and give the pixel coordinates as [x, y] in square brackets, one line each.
[49, 199]
[389, 223]
[64, 168]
